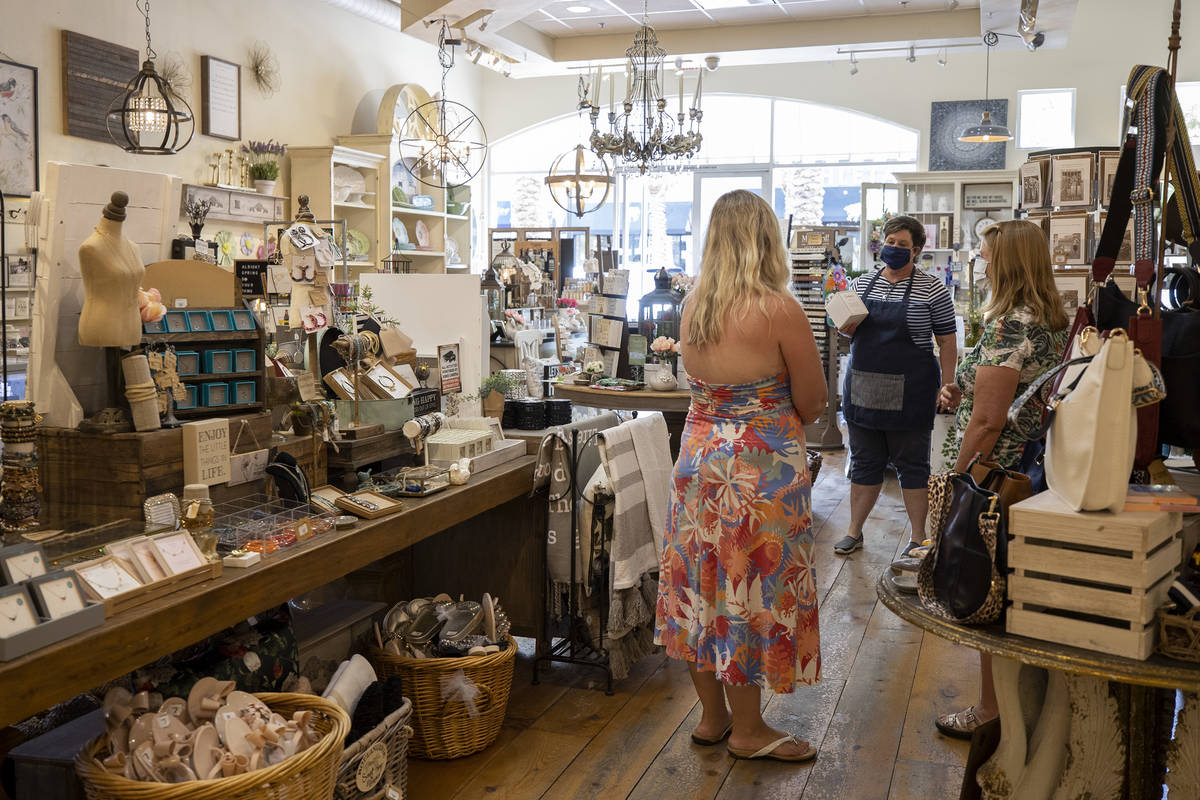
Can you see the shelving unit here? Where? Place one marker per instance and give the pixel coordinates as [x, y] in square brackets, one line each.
[235, 205]
[952, 205]
[809, 264]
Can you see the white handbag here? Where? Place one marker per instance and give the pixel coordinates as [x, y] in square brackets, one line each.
[1091, 441]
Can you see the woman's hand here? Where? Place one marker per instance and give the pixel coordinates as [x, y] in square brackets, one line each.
[949, 397]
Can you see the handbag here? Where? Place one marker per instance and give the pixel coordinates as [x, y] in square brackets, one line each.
[1010, 486]
[962, 578]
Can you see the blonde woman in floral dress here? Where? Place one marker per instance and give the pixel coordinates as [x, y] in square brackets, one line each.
[737, 598]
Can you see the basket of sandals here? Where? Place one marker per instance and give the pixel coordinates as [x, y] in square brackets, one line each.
[455, 660]
[377, 762]
[218, 744]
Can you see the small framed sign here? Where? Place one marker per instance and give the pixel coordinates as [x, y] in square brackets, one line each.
[221, 98]
[448, 368]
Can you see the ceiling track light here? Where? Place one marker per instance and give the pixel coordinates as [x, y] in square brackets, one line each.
[912, 54]
[941, 59]
[853, 65]
[952, 5]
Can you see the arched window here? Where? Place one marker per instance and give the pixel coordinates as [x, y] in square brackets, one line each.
[808, 160]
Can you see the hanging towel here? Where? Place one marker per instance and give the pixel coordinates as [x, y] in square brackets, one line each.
[636, 547]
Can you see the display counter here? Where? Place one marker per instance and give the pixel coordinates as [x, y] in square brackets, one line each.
[507, 558]
[673, 405]
[1082, 723]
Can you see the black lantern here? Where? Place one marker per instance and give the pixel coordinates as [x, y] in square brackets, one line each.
[148, 118]
[659, 314]
[493, 293]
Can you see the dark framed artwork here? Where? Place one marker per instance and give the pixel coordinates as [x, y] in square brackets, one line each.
[948, 119]
[221, 98]
[95, 73]
[18, 129]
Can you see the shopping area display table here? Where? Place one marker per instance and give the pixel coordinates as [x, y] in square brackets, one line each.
[673, 405]
[1077, 723]
[502, 552]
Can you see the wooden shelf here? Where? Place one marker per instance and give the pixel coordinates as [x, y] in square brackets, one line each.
[418, 212]
[431, 253]
[213, 410]
[224, 377]
[205, 336]
[458, 217]
[343, 204]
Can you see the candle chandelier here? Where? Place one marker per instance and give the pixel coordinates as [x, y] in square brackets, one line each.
[148, 118]
[644, 133]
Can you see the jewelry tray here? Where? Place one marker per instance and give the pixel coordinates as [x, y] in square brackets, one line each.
[49, 631]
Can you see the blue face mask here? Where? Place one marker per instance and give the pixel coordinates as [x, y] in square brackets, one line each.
[895, 257]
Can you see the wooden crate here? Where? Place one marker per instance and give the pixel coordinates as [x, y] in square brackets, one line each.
[95, 478]
[1090, 579]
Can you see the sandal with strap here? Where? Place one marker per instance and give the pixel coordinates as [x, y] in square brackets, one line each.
[704, 741]
[768, 753]
[961, 724]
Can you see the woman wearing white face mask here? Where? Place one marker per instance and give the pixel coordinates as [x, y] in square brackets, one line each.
[891, 387]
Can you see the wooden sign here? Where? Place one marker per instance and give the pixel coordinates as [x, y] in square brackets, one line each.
[247, 467]
[95, 72]
[206, 451]
[448, 368]
[252, 277]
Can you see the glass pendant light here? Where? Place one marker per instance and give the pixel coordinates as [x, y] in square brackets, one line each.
[986, 130]
[148, 118]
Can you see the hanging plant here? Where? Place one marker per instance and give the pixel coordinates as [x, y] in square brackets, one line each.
[264, 68]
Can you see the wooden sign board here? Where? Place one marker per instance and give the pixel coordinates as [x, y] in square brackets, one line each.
[206, 451]
[450, 375]
[95, 72]
[251, 277]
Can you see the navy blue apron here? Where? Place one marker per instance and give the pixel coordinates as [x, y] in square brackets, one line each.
[892, 382]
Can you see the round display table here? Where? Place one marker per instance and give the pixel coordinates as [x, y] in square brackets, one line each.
[673, 405]
[1076, 723]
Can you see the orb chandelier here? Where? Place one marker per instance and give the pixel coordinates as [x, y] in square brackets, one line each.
[148, 118]
[579, 181]
[644, 133]
[444, 143]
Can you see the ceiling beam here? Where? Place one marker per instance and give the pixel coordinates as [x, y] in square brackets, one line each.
[413, 12]
[520, 41]
[780, 34]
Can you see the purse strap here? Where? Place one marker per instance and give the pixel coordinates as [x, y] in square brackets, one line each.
[1036, 393]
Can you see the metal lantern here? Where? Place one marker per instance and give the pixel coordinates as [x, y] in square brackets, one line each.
[148, 118]
[505, 266]
[659, 314]
[493, 293]
[579, 181]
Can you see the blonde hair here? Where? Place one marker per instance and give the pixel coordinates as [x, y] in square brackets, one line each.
[1021, 274]
[744, 262]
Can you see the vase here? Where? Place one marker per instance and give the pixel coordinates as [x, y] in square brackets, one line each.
[264, 187]
[661, 378]
[197, 229]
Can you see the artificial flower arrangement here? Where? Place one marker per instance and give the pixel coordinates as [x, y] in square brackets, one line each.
[264, 159]
[681, 283]
[593, 367]
[665, 348]
[567, 302]
[150, 305]
[515, 317]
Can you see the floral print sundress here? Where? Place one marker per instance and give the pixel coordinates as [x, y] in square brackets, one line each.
[737, 595]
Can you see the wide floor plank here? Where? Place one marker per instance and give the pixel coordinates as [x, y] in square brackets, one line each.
[914, 780]
[947, 679]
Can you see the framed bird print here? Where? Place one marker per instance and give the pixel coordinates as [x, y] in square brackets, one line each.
[18, 129]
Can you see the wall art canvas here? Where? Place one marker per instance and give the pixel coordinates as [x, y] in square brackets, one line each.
[95, 72]
[948, 119]
[18, 129]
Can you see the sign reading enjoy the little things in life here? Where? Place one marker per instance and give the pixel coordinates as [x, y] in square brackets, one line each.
[206, 451]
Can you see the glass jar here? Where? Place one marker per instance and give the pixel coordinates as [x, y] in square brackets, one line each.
[198, 520]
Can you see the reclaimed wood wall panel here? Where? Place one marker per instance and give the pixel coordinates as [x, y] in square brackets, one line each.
[94, 73]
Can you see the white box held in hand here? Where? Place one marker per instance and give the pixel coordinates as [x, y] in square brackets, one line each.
[845, 308]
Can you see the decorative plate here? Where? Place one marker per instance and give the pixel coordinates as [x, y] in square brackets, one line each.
[347, 181]
[452, 254]
[247, 244]
[399, 232]
[982, 225]
[357, 243]
[422, 234]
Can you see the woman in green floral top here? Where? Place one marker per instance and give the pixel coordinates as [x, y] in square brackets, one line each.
[1025, 330]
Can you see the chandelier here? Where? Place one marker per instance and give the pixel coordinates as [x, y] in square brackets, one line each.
[444, 143]
[579, 181]
[644, 133]
[149, 118]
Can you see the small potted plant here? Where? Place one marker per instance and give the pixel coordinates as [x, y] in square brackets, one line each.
[493, 390]
[264, 163]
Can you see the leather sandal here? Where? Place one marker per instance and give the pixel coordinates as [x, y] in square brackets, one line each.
[768, 753]
[961, 724]
[705, 742]
[462, 620]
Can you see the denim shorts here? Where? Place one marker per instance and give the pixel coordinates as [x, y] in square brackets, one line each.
[872, 451]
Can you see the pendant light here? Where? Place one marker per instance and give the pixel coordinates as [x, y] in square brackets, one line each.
[986, 130]
[148, 118]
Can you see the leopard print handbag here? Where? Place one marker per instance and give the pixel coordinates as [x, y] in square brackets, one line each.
[951, 577]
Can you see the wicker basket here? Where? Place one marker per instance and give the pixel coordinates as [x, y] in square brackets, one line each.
[378, 761]
[1179, 634]
[440, 732]
[309, 774]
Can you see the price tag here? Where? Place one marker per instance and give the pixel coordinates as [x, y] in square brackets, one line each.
[181, 302]
[163, 720]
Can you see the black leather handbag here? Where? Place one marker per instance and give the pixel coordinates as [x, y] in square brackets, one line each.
[962, 578]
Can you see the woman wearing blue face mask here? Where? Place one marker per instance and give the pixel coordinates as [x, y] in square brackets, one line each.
[891, 388]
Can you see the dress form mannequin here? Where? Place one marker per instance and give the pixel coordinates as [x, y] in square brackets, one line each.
[112, 272]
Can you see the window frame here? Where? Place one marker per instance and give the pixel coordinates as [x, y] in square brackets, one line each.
[1022, 93]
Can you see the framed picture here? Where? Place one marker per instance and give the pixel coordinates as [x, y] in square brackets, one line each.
[19, 269]
[1072, 179]
[16, 611]
[58, 594]
[448, 368]
[22, 562]
[18, 129]
[947, 119]
[386, 383]
[1125, 254]
[221, 98]
[178, 552]
[1073, 289]
[1108, 174]
[1033, 187]
[105, 578]
[1068, 240]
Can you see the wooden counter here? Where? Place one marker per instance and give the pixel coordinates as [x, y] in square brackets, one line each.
[137, 637]
[673, 405]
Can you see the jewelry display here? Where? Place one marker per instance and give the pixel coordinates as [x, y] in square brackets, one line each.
[368, 504]
[16, 611]
[19, 487]
[22, 562]
[58, 594]
[148, 559]
[178, 551]
[162, 511]
[105, 578]
[140, 392]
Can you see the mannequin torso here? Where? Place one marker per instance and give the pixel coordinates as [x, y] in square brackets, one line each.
[112, 272]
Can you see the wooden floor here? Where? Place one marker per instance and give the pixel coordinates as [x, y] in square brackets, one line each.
[871, 716]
